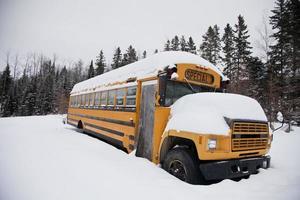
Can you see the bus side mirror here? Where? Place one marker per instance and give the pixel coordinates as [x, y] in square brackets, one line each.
[279, 117]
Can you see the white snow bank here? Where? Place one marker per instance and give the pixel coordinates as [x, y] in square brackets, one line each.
[42, 159]
[144, 68]
[205, 112]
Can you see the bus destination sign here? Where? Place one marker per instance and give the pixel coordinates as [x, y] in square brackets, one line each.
[197, 76]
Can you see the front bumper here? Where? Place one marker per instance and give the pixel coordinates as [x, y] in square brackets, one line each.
[234, 168]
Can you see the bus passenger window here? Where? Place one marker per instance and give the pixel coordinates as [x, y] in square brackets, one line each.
[103, 100]
[74, 101]
[120, 97]
[111, 98]
[86, 100]
[97, 99]
[82, 100]
[78, 100]
[92, 100]
[130, 97]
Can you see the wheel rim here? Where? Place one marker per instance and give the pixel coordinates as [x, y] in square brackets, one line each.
[177, 169]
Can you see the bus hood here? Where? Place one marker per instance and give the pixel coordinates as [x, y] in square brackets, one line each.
[205, 113]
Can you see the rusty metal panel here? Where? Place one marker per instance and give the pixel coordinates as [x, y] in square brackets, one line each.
[146, 122]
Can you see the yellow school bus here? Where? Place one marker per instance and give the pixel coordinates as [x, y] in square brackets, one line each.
[164, 107]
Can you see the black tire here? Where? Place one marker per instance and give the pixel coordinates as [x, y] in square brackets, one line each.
[183, 164]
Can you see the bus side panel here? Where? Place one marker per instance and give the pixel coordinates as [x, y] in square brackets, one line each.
[160, 121]
[117, 125]
[146, 122]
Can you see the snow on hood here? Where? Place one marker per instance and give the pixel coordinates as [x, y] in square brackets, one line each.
[144, 68]
[204, 112]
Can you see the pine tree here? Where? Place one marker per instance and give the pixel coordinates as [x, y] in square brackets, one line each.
[175, 43]
[292, 88]
[117, 59]
[45, 92]
[257, 84]
[279, 55]
[191, 47]
[183, 45]
[242, 55]
[6, 107]
[206, 48]
[22, 94]
[216, 45]
[285, 57]
[6, 81]
[30, 101]
[125, 59]
[228, 51]
[130, 56]
[100, 62]
[91, 71]
[167, 46]
[64, 89]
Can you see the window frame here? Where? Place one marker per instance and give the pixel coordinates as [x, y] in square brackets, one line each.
[91, 99]
[101, 102]
[130, 97]
[86, 98]
[114, 91]
[97, 97]
[123, 97]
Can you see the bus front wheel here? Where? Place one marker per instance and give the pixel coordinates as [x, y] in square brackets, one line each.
[181, 163]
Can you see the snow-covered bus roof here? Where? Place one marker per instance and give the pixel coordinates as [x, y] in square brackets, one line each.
[141, 69]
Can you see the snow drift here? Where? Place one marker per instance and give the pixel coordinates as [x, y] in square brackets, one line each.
[42, 159]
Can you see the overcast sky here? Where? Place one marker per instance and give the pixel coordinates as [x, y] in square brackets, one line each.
[74, 29]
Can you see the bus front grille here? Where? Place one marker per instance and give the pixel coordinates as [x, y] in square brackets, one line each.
[249, 136]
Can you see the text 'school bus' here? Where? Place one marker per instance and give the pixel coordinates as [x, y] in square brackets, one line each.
[169, 109]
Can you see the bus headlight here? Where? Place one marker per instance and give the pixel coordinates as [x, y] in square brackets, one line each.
[212, 144]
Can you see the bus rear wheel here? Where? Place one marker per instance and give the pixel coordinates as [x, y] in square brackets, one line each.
[181, 163]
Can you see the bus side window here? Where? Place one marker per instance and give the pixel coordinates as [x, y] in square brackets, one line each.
[130, 97]
[86, 100]
[103, 99]
[71, 103]
[111, 98]
[74, 101]
[97, 99]
[82, 100]
[92, 100]
[78, 100]
[120, 97]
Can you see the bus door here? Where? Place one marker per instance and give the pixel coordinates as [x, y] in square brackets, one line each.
[144, 140]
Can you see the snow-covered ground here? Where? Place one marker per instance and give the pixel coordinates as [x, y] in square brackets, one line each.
[42, 159]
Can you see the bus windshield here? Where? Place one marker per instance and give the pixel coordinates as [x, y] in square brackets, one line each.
[175, 90]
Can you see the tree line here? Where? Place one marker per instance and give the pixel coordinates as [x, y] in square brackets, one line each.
[273, 80]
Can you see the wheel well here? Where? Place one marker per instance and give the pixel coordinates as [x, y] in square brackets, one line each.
[174, 142]
[80, 125]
